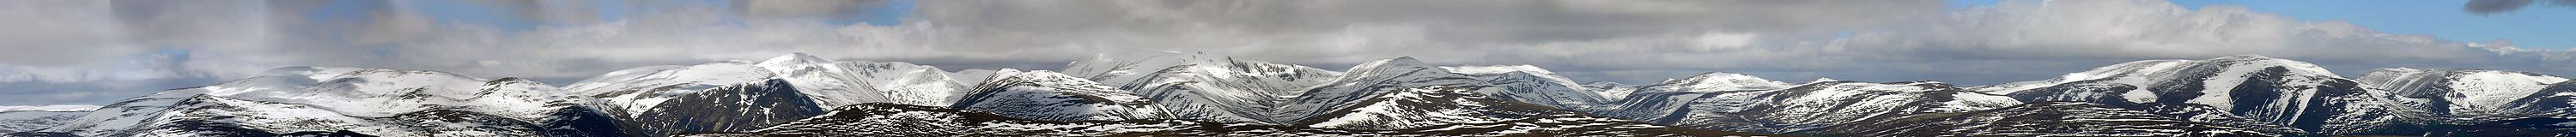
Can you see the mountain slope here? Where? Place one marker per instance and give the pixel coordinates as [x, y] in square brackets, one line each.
[1201, 86]
[353, 100]
[2556, 100]
[1530, 84]
[2274, 91]
[1807, 106]
[1717, 81]
[2487, 94]
[836, 83]
[1046, 95]
[1612, 92]
[2041, 119]
[663, 100]
[30, 118]
[1365, 81]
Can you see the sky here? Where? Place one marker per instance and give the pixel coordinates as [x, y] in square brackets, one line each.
[96, 52]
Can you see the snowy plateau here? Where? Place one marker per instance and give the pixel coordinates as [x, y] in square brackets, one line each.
[1195, 94]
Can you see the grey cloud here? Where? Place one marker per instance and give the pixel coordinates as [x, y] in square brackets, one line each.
[2483, 7]
[2486, 7]
[59, 33]
[829, 9]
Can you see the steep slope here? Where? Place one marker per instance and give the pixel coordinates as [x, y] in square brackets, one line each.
[354, 100]
[1201, 86]
[2480, 94]
[1807, 106]
[726, 108]
[2274, 91]
[906, 120]
[1366, 81]
[2042, 119]
[1046, 95]
[1530, 84]
[2556, 100]
[30, 118]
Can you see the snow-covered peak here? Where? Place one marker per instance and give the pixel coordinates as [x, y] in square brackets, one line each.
[2128, 69]
[2462, 91]
[1612, 91]
[795, 58]
[1514, 71]
[1497, 69]
[387, 92]
[2145, 71]
[1385, 64]
[1368, 80]
[975, 76]
[2383, 76]
[699, 76]
[1067, 84]
[1047, 95]
[1108, 66]
[2254, 61]
[50, 108]
[1721, 81]
[1128, 71]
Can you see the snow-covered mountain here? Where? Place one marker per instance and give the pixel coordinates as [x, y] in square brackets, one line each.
[663, 100]
[1803, 107]
[1201, 86]
[1717, 82]
[30, 118]
[379, 102]
[2557, 100]
[881, 119]
[1046, 95]
[2042, 119]
[1612, 92]
[1530, 84]
[837, 83]
[1367, 81]
[2273, 91]
[2482, 94]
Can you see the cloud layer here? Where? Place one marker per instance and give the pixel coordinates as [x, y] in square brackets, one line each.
[99, 51]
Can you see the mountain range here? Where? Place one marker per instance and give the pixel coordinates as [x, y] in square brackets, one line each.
[1194, 94]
